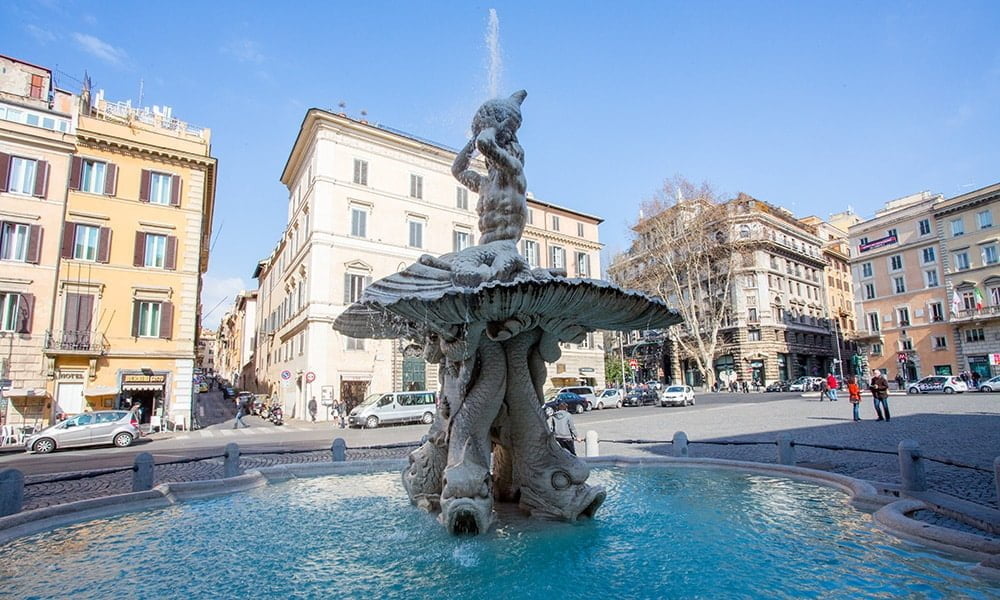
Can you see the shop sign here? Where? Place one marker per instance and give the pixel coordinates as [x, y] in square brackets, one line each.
[141, 378]
[995, 358]
[586, 369]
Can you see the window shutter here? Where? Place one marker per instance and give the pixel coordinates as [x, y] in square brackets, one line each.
[144, 186]
[347, 288]
[27, 307]
[76, 173]
[357, 171]
[110, 179]
[170, 260]
[41, 178]
[104, 245]
[34, 244]
[166, 320]
[4, 171]
[368, 282]
[69, 238]
[175, 190]
[454, 241]
[135, 318]
[139, 254]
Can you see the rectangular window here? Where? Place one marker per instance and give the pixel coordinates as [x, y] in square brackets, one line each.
[555, 223]
[355, 285]
[461, 240]
[940, 342]
[461, 198]
[416, 186]
[873, 322]
[863, 241]
[995, 295]
[968, 300]
[906, 344]
[149, 319]
[416, 234]
[21, 179]
[961, 260]
[355, 343]
[531, 217]
[160, 185]
[892, 232]
[530, 250]
[899, 284]
[14, 241]
[579, 229]
[557, 258]
[957, 227]
[896, 262]
[753, 335]
[877, 349]
[974, 335]
[92, 176]
[866, 269]
[937, 311]
[869, 291]
[931, 278]
[35, 91]
[359, 222]
[9, 317]
[990, 256]
[985, 219]
[929, 255]
[360, 171]
[582, 264]
[156, 251]
[924, 226]
[85, 242]
[903, 316]
[752, 315]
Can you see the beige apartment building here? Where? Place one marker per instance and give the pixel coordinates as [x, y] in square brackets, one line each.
[900, 294]
[37, 141]
[364, 202]
[969, 230]
[205, 351]
[235, 342]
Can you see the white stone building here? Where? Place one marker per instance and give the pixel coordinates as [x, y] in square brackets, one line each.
[366, 201]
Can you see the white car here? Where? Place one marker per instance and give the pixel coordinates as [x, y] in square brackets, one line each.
[609, 398]
[937, 383]
[677, 395]
[990, 385]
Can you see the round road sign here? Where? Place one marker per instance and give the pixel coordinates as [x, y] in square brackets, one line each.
[310, 377]
[286, 374]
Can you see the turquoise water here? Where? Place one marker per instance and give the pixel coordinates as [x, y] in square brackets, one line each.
[661, 534]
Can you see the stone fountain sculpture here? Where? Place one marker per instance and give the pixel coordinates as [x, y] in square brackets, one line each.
[491, 322]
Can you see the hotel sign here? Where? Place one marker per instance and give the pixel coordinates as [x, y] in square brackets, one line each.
[150, 379]
[887, 240]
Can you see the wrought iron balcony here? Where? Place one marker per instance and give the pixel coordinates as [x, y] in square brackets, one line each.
[86, 343]
[986, 313]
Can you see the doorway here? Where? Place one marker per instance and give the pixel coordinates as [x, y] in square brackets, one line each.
[352, 392]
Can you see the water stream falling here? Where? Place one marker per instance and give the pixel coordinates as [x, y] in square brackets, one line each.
[496, 60]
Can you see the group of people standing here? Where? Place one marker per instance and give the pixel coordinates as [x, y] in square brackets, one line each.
[879, 387]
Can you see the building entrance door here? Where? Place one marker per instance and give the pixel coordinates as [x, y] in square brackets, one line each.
[352, 392]
[981, 365]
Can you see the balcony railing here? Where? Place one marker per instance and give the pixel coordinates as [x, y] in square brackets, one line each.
[972, 314]
[76, 342]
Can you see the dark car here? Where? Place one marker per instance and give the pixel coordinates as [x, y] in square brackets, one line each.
[575, 403]
[642, 398]
[778, 386]
[228, 391]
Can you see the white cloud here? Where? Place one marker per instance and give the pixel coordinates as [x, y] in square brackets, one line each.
[100, 48]
[217, 297]
[43, 36]
[247, 51]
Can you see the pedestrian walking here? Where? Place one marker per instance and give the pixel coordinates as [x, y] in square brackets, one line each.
[879, 386]
[312, 408]
[900, 381]
[975, 380]
[242, 409]
[832, 385]
[342, 413]
[561, 425]
[854, 395]
[824, 389]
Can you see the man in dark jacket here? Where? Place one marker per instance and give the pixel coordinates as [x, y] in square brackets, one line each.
[880, 394]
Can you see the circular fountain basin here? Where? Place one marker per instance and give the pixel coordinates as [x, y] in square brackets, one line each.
[662, 533]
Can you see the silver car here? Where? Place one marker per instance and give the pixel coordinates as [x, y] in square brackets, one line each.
[118, 427]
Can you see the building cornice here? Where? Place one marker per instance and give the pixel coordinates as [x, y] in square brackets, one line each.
[970, 200]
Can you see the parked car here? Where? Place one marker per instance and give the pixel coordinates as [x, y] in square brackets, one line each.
[778, 386]
[117, 427]
[609, 398]
[990, 385]
[228, 391]
[585, 391]
[654, 385]
[937, 383]
[574, 402]
[642, 398]
[677, 395]
[805, 384]
[394, 407]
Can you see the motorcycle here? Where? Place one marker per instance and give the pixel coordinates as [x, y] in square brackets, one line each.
[276, 416]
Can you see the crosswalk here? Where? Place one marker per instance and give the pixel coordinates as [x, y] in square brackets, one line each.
[223, 432]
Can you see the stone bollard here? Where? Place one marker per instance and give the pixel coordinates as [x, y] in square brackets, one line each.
[786, 449]
[142, 472]
[996, 476]
[11, 491]
[338, 450]
[593, 444]
[232, 465]
[911, 468]
[680, 444]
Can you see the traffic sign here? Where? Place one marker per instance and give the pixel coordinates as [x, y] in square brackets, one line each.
[310, 377]
[286, 374]
[901, 357]
[633, 363]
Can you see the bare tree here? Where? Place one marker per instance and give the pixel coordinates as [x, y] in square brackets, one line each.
[685, 251]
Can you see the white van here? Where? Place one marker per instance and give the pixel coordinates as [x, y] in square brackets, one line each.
[394, 407]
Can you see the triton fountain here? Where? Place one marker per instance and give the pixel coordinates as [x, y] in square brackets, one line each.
[491, 322]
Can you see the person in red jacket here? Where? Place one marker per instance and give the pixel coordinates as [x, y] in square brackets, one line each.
[832, 385]
[854, 395]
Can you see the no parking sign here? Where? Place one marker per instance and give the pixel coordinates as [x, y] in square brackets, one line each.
[310, 377]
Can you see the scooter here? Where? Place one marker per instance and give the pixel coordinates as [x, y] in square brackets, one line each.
[276, 416]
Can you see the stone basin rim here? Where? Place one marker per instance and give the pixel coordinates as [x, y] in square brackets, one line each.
[889, 513]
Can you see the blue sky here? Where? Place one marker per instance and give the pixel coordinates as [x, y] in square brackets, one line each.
[815, 106]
